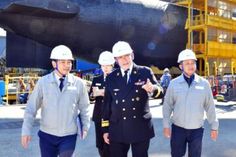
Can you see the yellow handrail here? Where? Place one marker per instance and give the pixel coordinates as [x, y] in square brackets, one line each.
[15, 86]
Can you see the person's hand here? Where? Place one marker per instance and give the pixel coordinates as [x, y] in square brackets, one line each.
[95, 89]
[85, 133]
[214, 135]
[167, 132]
[148, 86]
[102, 92]
[98, 92]
[25, 141]
[106, 138]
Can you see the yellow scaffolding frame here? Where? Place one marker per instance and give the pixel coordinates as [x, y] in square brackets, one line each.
[13, 95]
[211, 15]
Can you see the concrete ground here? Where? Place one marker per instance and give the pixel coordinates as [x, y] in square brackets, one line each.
[225, 146]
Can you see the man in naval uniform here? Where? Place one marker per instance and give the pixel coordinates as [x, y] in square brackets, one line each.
[126, 117]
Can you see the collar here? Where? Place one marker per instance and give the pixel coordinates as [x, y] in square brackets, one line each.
[57, 77]
[129, 71]
[54, 78]
[189, 80]
[196, 78]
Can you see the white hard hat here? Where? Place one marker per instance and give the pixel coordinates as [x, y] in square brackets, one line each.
[61, 52]
[186, 55]
[121, 48]
[106, 58]
[166, 70]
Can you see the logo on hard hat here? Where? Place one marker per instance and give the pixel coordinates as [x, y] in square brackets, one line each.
[64, 54]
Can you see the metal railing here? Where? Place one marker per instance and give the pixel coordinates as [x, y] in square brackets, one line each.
[18, 87]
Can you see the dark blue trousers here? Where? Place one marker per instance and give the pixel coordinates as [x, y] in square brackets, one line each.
[54, 146]
[139, 149]
[103, 148]
[180, 137]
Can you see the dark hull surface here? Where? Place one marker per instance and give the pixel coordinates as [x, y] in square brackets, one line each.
[155, 30]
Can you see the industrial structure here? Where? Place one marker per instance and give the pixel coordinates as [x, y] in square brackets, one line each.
[211, 26]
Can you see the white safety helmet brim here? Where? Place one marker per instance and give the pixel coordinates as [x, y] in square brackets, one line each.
[106, 58]
[61, 52]
[121, 48]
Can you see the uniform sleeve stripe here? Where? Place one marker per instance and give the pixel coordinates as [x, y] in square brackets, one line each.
[158, 92]
[105, 123]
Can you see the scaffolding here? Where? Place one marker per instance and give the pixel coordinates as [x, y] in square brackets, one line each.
[211, 26]
[17, 86]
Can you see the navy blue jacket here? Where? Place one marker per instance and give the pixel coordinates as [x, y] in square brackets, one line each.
[126, 114]
[100, 83]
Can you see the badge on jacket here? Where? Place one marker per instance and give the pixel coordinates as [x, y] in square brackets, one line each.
[139, 83]
[98, 84]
